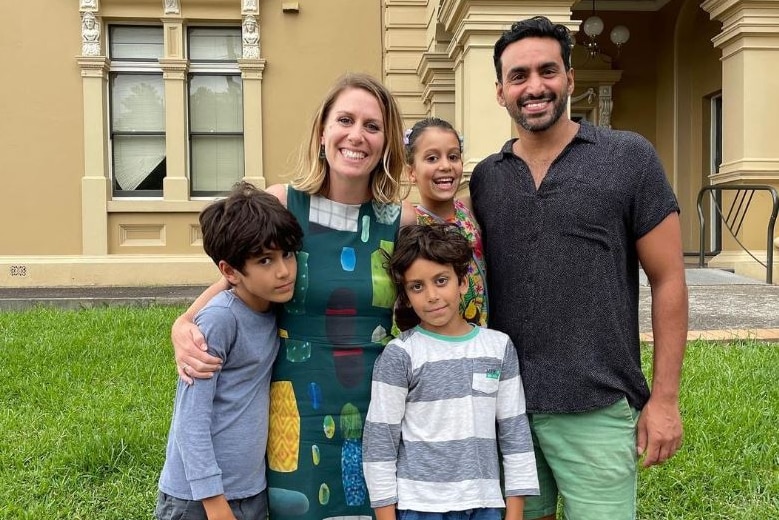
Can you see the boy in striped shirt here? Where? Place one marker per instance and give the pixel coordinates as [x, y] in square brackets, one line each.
[447, 404]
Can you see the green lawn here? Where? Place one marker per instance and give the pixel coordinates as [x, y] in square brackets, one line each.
[86, 398]
[728, 467]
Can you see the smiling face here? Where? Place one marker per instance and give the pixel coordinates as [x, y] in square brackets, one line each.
[264, 279]
[434, 292]
[535, 85]
[353, 137]
[437, 167]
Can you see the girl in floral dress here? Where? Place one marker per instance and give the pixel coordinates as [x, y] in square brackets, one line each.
[435, 166]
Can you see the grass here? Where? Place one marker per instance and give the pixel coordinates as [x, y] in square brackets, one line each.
[728, 467]
[85, 398]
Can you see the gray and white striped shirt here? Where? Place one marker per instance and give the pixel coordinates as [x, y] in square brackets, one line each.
[440, 408]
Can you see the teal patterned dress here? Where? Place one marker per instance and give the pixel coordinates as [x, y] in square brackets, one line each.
[331, 332]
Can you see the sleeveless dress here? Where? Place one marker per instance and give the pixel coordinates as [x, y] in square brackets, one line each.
[474, 306]
[332, 331]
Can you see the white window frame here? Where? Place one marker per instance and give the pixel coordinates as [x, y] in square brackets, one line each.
[139, 66]
[211, 68]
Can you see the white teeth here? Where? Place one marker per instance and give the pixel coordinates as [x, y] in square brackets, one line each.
[350, 154]
[444, 180]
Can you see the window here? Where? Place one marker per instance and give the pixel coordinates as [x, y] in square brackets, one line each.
[137, 116]
[137, 110]
[215, 109]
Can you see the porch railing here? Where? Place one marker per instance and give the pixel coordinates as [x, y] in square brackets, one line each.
[733, 220]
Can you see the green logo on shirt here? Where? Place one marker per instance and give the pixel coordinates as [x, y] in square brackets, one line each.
[493, 373]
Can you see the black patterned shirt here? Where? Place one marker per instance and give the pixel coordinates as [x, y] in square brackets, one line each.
[563, 268]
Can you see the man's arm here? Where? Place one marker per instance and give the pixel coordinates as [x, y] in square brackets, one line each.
[659, 430]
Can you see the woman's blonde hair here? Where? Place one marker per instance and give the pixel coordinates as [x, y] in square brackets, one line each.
[313, 172]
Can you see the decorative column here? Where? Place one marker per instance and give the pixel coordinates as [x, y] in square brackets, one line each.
[250, 36]
[251, 74]
[95, 185]
[436, 73]
[475, 25]
[175, 186]
[592, 84]
[605, 104]
[171, 7]
[252, 67]
[749, 41]
[750, 52]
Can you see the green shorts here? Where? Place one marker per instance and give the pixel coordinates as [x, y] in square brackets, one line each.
[589, 460]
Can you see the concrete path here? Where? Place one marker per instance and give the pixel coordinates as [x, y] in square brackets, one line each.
[723, 306]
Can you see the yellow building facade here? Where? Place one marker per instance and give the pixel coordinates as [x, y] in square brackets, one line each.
[122, 119]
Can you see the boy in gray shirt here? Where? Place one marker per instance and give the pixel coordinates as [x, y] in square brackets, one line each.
[215, 460]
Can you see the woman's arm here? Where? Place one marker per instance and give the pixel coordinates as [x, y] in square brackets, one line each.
[189, 345]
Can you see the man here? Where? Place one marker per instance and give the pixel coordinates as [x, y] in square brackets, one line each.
[567, 212]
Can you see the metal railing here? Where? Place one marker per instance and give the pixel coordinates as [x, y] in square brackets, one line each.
[734, 219]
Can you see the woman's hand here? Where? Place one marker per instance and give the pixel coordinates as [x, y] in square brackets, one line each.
[192, 360]
[189, 345]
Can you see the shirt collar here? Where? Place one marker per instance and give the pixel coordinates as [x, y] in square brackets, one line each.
[586, 133]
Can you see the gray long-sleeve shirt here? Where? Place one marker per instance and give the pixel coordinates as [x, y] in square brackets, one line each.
[219, 430]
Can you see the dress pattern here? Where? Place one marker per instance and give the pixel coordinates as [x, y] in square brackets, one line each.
[331, 332]
[474, 305]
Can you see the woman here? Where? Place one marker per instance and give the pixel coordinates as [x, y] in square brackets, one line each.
[346, 198]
